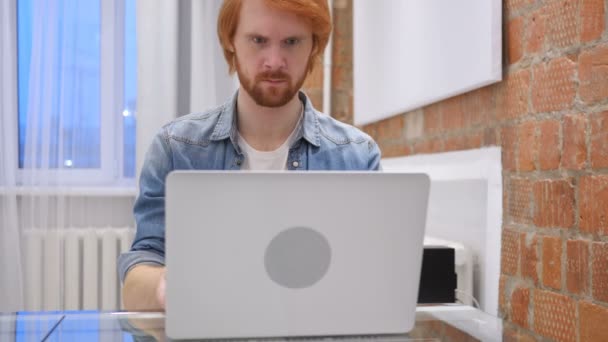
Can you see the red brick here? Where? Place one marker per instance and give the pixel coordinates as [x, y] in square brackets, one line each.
[391, 128]
[554, 86]
[474, 140]
[509, 252]
[552, 262]
[342, 106]
[515, 33]
[550, 154]
[599, 140]
[479, 106]
[341, 74]
[577, 267]
[593, 74]
[519, 202]
[343, 43]
[562, 23]
[526, 337]
[528, 146]
[314, 80]
[341, 57]
[455, 144]
[502, 283]
[432, 119]
[593, 20]
[599, 261]
[554, 316]
[315, 96]
[507, 212]
[575, 143]
[395, 150]
[512, 95]
[536, 32]
[593, 318]
[513, 5]
[554, 203]
[520, 300]
[510, 334]
[428, 146]
[593, 211]
[453, 114]
[529, 256]
[372, 130]
[508, 139]
[489, 137]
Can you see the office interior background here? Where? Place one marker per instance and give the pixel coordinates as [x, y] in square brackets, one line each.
[65, 172]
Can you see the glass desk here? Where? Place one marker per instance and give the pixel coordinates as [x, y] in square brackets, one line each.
[433, 323]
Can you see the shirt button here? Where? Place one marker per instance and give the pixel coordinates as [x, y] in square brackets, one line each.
[295, 164]
[238, 162]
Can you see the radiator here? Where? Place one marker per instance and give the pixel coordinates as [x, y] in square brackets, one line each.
[73, 269]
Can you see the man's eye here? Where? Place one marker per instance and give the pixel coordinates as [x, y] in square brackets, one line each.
[291, 41]
[258, 40]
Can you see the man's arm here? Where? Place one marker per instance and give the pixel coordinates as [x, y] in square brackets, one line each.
[374, 156]
[142, 268]
[144, 288]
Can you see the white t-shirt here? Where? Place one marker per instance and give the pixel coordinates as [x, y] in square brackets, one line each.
[267, 160]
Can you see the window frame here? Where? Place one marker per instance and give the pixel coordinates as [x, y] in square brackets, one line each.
[9, 94]
[110, 172]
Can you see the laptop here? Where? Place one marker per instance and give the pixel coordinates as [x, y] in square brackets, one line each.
[293, 254]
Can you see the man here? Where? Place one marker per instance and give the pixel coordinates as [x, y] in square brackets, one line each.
[267, 125]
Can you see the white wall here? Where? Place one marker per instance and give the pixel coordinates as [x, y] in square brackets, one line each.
[465, 205]
[410, 53]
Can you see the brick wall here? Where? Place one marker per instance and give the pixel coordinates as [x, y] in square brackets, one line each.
[550, 116]
[342, 67]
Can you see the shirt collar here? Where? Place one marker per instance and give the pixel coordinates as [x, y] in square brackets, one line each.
[226, 126]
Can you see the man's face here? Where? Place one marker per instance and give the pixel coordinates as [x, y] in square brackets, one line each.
[272, 50]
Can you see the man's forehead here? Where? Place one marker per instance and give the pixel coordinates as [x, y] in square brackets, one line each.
[256, 17]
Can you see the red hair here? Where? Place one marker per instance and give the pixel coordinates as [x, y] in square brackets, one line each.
[315, 11]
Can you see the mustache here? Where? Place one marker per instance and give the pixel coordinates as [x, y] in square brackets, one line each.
[272, 75]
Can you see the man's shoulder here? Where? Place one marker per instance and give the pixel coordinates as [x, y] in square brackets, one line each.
[347, 147]
[194, 128]
[340, 133]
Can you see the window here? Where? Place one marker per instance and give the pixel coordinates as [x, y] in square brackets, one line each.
[77, 87]
[130, 49]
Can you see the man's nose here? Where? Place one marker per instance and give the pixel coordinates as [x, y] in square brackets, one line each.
[275, 59]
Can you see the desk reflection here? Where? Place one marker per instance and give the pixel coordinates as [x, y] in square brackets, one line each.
[436, 323]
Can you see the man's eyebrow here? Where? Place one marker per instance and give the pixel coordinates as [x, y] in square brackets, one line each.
[252, 34]
[294, 36]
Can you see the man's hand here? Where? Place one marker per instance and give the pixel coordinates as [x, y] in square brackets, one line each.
[161, 289]
[144, 288]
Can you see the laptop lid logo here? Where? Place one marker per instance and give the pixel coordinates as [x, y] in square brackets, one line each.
[297, 257]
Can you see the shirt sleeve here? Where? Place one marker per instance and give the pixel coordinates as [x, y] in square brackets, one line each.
[149, 209]
[128, 260]
[374, 156]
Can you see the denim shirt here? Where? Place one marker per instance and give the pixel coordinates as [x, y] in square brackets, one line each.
[208, 141]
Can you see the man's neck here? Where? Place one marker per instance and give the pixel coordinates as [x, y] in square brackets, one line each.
[265, 128]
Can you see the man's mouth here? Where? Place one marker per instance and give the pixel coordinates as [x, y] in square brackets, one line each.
[274, 81]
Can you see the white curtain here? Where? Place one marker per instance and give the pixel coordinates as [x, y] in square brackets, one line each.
[45, 184]
[50, 155]
[11, 275]
[181, 68]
